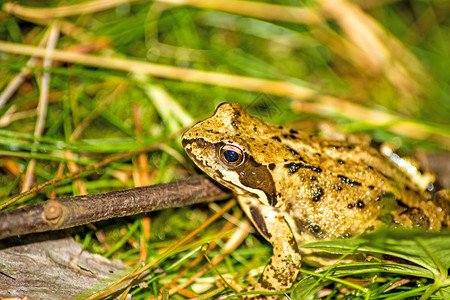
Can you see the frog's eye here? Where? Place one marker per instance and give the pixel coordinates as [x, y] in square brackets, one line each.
[231, 155]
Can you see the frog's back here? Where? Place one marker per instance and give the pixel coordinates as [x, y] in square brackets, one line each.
[336, 189]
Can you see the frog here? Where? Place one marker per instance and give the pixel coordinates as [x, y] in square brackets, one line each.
[298, 188]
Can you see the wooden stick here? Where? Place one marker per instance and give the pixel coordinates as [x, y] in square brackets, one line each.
[74, 211]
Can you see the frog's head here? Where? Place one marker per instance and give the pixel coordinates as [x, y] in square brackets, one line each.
[222, 147]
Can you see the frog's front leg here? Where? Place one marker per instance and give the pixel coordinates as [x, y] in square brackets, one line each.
[283, 267]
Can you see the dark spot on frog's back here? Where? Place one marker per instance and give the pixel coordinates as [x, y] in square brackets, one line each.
[316, 229]
[289, 136]
[259, 221]
[318, 194]
[271, 166]
[312, 228]
[348, 181]
[293, 151]
[342, 147]
[294, 167]
[257, 176]
[275, 138]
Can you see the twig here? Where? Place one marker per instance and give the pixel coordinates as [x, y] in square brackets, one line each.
[74, 211]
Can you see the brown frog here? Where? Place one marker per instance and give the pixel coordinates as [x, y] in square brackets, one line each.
[298, 188]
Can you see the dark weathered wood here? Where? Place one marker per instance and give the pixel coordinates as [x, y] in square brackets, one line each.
[74, 211]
